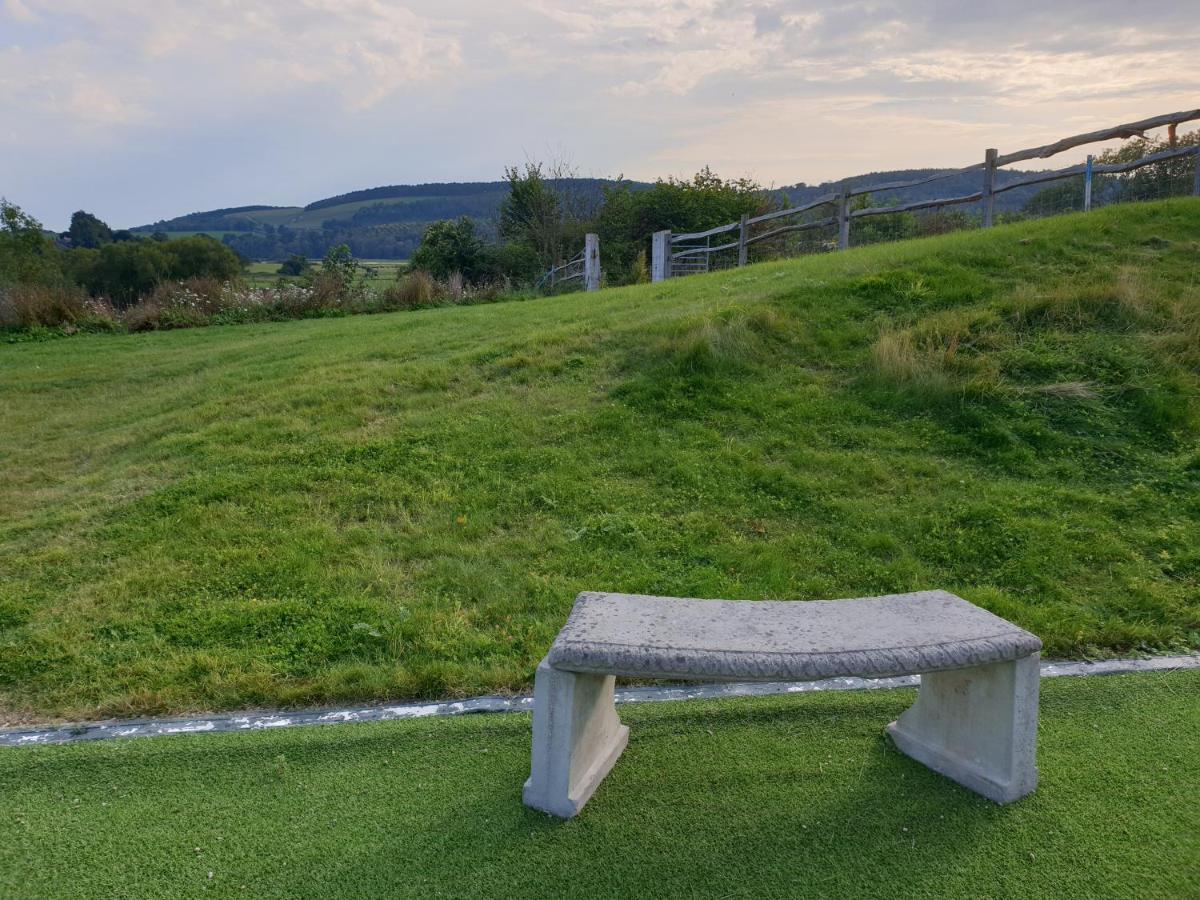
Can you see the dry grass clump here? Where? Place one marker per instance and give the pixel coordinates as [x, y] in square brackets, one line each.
[418, 289]
[51, 306]
[945, 354]
[412, 291]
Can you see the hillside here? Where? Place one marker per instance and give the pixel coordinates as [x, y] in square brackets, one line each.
[406, 504]
[387, 222]
[954, 186]
[378, 223]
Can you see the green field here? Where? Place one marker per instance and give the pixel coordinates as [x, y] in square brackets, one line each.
[378, 272]
[406, 504]
[793, 797]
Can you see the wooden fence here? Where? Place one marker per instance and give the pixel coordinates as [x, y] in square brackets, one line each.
[674, 255]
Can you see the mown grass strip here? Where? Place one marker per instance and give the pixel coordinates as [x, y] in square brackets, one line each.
[780, 797]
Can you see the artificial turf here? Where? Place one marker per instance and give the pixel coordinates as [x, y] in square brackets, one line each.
[405, 505]
[784, 797]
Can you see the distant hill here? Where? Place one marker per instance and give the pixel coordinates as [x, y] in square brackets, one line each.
[377, 223]
[953, 186]
[387, 222]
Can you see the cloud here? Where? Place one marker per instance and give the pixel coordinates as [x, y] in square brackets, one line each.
[129, 60]
[282, 100]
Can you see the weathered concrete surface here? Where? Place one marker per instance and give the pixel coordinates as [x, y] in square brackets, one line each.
[577, 738]
[975, 719]
[978, 727]
[667, 637]
[258, 720]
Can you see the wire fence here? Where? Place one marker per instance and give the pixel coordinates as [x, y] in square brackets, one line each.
[580, 272]
[1137, 170]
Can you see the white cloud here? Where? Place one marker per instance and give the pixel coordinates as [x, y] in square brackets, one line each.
[129, 60]
[282, 99]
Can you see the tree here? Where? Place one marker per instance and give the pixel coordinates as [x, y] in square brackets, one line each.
[630, 216]
[200, 256]
[26, 254]
[88, 231]
[452, 246]
[548, 208]
[532, 214]
[296, 264]
[124, 272]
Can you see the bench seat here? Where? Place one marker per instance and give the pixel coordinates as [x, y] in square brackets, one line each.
[974, 720]
[722, 640]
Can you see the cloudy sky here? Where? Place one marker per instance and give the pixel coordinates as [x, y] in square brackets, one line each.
[141, 110]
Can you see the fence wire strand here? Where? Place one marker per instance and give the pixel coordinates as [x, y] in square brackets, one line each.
[815, 230]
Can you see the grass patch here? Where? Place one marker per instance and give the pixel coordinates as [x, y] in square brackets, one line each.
[405, 505]
[785, 797]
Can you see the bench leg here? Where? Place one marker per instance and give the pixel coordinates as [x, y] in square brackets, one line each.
[577, 738]
[978, 727]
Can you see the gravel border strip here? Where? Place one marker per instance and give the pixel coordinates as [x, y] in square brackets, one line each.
[260, 720]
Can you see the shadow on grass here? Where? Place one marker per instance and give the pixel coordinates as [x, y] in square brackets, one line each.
[696, 807]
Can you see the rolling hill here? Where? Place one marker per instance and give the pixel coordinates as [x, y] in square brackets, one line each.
[387, 222]
[405, 505]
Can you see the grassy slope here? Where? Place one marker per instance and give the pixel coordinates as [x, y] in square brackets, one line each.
[794, 797]
[406, 504]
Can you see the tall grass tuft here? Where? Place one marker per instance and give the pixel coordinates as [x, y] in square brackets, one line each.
[31, 306]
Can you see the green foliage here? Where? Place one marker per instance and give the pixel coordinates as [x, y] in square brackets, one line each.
[295, 265]
[339, 264]
[453, 246]
[88, 231]
[532, 214]
[1063, 196]
[27, 256]
[126, 270]
[1165, 178]
[630, 216]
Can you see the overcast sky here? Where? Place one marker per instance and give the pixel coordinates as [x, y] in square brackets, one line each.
[142, 110]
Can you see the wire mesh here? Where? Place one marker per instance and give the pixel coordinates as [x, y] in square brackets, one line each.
[815, 230]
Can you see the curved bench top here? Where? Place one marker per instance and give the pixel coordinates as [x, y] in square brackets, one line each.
[766, 640]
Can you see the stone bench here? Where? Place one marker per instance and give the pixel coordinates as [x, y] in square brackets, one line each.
[974, 720]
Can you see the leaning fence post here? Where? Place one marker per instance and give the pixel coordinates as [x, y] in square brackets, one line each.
[591, 262]
[1087, 184]
[742, 230]
[843, 219]
[989, 184]
[660, 265]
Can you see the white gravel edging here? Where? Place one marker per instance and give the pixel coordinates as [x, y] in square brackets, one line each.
[260, 720]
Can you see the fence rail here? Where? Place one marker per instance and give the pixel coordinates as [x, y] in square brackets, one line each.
[585, 266]
[680, 254]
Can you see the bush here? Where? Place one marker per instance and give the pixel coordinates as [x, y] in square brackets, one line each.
[296, 264]
[452, 248]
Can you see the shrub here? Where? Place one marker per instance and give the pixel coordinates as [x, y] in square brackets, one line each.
[296, 264]
[452, 248]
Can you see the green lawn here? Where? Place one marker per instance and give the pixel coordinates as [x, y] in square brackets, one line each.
[793, 797]
[405, 505]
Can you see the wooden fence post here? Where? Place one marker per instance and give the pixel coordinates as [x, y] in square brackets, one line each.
[660, 264]
[989, 184]
[843, 219]
[591, 262]
[1196, 178]
[1087, 185]
[743, 228]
